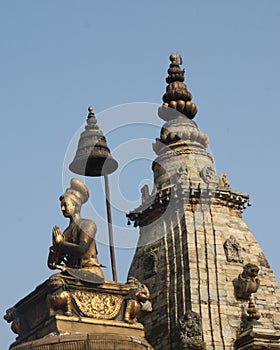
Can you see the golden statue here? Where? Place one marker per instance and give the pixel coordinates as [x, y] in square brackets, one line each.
[74, 251]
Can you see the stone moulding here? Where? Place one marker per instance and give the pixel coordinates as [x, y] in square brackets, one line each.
[87, 341]
[258, 338]
[158, 202]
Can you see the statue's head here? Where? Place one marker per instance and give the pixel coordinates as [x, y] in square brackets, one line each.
[73, 198]
[250, 271]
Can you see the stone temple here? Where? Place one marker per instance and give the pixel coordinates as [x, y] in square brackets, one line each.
[196, 261]
[211, 285]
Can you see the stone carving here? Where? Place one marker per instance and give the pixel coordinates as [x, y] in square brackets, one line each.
[145, 193]
[12, 318]
[150, 263]
[248, 282]
[233, 250]
[190, 331]
[98, 305]
[252, 311]
[223, 181]
[137, 300]
[59, 299]
[208, 174]
[183, 176]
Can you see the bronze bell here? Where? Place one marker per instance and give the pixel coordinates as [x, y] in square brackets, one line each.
[93, 157]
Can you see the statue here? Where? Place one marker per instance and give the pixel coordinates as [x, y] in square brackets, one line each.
[137, 300]
[58, 299]
[74, 251]
[248, 282]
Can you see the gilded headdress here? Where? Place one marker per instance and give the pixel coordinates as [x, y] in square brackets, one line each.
[78, 192]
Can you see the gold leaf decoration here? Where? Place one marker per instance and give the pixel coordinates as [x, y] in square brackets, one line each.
[98, 305]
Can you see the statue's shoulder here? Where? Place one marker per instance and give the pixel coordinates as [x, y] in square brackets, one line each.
[87, 225]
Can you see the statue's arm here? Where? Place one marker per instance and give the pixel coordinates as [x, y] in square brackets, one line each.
[54, 258]
[86, 236]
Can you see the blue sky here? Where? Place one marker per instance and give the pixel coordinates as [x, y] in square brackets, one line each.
[59, 57]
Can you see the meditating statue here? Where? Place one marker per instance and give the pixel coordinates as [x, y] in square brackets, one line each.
[74, 251]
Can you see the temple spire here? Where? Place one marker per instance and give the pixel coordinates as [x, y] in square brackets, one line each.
[177, 95]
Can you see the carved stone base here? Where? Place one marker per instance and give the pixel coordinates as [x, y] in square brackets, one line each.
[258, 338]
[67, 314]
[86, 341]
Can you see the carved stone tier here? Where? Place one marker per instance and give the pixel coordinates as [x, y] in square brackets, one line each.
[64, 313]
[258, 338]
[169, 197]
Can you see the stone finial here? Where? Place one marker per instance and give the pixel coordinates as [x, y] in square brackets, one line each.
[177, 97]
[252, 311]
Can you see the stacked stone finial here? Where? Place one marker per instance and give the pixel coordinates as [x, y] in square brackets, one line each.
[177, 95]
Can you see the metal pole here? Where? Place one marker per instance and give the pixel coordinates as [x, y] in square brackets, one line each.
[110, 229]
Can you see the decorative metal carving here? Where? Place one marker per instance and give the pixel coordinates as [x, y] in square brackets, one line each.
[137, 300]
[233, 250]
[223, 181]
[190, 330]
[98, 305]
[208, 174]
[59, 299]
[177, 97]
[150, 263]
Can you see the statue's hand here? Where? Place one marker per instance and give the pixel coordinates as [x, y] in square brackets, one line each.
[60, 267]
[57, 235]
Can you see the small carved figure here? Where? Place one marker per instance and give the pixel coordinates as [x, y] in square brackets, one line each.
[145, 193]
[183, 177]
[138, 300]
[59, 298]
[190, 330]
[248, 282]
[233, 250]
[223, 181]
[150, 262]
[208, 174]
[11, 317]
[75, 248]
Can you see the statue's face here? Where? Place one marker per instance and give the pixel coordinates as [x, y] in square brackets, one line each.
[68, 207]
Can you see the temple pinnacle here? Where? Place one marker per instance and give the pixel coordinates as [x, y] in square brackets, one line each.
[177, 96]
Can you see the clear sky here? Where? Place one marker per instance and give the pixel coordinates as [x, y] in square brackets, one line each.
[59, 57]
